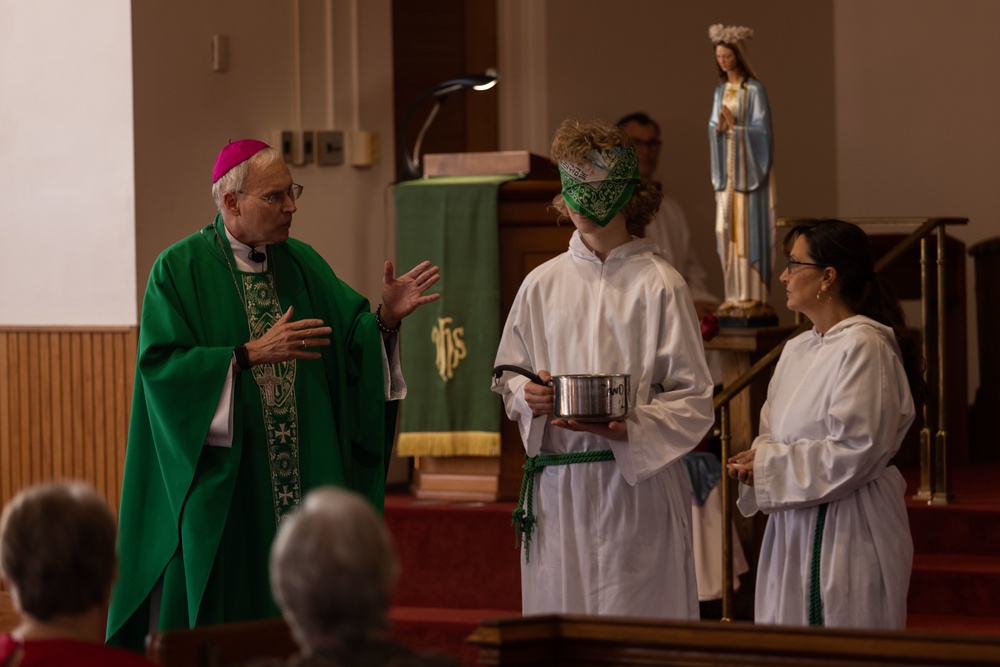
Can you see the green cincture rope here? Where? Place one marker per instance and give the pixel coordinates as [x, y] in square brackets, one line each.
[815, 601]
[523, 519]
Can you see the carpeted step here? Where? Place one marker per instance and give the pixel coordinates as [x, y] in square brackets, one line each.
[979, 625]
[442, 630]
[454, 555]
[955, 585]
[954, 529]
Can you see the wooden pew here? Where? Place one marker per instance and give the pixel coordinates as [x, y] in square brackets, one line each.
[586, 641]
[219, 645]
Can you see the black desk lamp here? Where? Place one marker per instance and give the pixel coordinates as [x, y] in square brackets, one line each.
[440, 92]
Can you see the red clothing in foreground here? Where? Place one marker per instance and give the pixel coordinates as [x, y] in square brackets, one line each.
[68, 653]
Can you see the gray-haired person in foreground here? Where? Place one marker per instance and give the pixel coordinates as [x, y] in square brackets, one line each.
[333, 567]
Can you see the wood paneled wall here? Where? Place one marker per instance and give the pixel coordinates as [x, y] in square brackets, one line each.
[65, 396]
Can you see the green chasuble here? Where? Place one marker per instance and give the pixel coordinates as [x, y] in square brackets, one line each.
[201, 518]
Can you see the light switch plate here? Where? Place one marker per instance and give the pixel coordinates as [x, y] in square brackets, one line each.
[330, 147]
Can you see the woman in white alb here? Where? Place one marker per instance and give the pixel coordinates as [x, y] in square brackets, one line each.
[837, 550]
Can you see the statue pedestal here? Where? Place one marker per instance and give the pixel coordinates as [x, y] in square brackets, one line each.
[741, 347]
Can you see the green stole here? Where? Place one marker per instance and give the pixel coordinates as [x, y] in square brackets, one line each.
[276, 383]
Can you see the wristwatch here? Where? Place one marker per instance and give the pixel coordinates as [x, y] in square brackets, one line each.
[242, 357]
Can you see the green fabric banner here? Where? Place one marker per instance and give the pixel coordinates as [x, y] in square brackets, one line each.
[450, 344]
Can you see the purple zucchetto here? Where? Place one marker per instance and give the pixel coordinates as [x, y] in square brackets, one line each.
[234, 153]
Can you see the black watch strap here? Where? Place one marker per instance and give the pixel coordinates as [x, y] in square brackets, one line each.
[242, 357]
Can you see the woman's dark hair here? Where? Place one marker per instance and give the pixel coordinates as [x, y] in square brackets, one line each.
[744, 71]
[846, 247]
[57, 549]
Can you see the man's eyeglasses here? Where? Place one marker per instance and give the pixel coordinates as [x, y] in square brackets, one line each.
[792, 263]
[651, 144]
[278, 198]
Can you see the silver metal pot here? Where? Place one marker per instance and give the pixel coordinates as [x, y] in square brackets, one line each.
[585, 398]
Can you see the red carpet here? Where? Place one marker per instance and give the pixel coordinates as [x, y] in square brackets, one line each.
[956, 565]
[459, 565]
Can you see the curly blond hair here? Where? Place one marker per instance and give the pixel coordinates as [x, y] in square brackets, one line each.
[575, 139]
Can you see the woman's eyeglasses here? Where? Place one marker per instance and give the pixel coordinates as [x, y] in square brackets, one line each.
[792, 263]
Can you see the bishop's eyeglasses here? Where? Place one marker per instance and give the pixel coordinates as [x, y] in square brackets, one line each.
[278, 198]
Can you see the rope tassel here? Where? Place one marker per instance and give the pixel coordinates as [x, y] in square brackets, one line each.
[815, 600]
[523, 517]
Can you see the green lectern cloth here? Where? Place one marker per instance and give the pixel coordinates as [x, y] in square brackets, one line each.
[450, 344]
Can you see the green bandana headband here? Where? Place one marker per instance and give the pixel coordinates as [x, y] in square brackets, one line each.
[601, 186]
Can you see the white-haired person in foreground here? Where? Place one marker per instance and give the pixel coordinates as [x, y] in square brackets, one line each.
[57, 560]
[333, 567]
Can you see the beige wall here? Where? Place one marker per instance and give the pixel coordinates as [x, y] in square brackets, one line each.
[666, 67]
[880, 107]
[185, 112]
[915, 118]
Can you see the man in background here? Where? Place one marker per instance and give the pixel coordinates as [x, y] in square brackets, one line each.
[668, 228]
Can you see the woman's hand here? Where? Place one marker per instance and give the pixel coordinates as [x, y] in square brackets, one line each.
[741, 466]
[287, 340]
[615, 430]
[401, 296]
[541, 398]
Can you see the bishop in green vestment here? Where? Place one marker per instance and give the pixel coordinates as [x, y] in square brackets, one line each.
[259, 376]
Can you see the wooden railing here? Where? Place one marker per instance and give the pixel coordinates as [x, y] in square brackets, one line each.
[65, 396]
[934, 478]
[555, 641]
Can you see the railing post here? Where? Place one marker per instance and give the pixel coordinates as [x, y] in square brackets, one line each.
[727, 517]
[925, 492]
[942, 491]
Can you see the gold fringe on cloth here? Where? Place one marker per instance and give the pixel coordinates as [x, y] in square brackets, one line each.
[451, 443]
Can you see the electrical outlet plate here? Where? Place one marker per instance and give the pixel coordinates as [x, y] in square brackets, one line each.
[330, 147]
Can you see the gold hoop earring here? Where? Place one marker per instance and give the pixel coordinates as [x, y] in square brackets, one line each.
[819, 297]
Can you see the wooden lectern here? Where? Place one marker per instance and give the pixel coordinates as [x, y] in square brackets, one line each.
[528, 236]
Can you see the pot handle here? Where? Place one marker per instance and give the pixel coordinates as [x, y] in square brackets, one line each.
[499, 370]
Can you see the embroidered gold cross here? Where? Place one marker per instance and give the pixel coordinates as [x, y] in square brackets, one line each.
[285, 495]
[267, 381]
[283, 433]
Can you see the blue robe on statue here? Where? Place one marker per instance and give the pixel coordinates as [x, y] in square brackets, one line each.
[741, 176]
